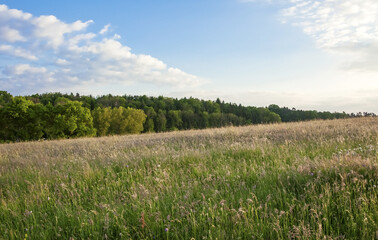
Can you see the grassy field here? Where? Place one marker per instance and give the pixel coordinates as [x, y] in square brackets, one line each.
[310, 180]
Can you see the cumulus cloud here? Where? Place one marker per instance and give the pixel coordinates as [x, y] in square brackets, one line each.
[17, 52]
[12, 14]
[53, 30]
[25, 76]
[10, 35]
[21, 69]
[48, 53]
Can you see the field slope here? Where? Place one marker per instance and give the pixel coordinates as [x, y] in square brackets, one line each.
[310, 180]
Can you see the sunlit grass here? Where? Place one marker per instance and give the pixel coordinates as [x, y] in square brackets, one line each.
[310, 180]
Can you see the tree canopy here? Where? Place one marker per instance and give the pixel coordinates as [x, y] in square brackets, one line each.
[57, 115]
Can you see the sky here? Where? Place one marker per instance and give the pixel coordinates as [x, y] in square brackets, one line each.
[308, 54]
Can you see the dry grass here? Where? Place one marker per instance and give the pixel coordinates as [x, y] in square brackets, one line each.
[309, 180]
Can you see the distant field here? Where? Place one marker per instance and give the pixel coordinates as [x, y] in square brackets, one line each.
[309, 180]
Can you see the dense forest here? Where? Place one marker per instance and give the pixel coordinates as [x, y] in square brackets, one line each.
[57, 115]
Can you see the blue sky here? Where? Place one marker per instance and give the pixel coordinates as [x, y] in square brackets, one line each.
[309, 54]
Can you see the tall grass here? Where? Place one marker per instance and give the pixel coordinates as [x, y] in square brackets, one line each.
[310, 180]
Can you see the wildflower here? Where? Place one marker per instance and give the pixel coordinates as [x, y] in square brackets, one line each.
[166, 229]
[28, 213]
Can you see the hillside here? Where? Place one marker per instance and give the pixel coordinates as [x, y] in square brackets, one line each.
[304, 180]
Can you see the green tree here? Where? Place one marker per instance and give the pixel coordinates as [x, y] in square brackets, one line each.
[117, 122]
[174, 121]
[61, 101]
[126, 120]
[211, 107]
[149, 125]
[160, 121]
[215, 119]
[68, 119]
[135, 119]
[101, 120]
[5, 98]
[21, 120]
[266, 116]
[189, 119]
[204, 120]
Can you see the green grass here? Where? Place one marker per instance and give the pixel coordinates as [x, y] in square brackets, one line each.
[311, 180]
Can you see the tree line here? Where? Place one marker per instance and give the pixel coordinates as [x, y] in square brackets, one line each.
[57, 115]
[294, 115]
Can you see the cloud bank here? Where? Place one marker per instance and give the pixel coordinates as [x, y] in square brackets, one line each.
[40, 53]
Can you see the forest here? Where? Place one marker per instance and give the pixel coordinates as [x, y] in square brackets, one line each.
[59, 116]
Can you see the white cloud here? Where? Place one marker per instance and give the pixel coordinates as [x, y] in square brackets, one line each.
[21, 69]
[19, 26]
[336, 23]
[345, 27]
[6, 13]
[52, 29]
[62, 62]
[25, 76]
[105, 29]
[17, 52]
[10, 35]
[9, 24]
[71, 58]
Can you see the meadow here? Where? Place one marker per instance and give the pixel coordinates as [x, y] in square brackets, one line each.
[306, 180]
